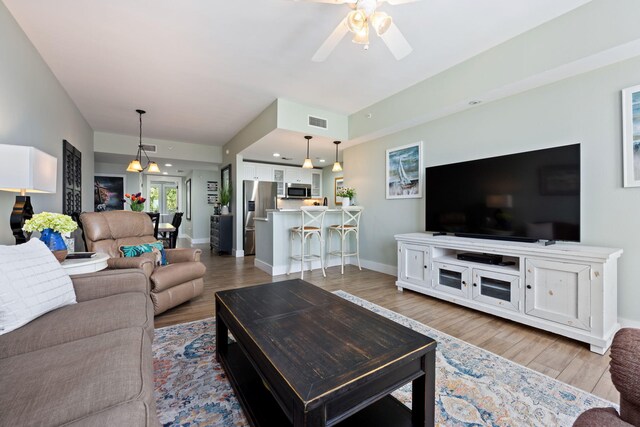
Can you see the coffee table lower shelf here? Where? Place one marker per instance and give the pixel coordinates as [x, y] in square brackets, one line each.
[262, 410]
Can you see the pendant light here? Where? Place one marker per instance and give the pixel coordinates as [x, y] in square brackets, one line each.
[336, 166]
[307, 161]
[136, 165]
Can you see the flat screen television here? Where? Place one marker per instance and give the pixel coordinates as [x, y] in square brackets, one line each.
[523, 197]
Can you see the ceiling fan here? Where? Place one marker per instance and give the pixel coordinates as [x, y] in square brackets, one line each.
[358, 21]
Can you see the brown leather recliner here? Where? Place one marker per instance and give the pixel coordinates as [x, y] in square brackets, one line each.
[625, 374]
[172, 284]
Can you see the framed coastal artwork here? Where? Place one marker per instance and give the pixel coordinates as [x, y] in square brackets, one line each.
[338, 185]
[404, 172]
[108, 192]
[631, 136]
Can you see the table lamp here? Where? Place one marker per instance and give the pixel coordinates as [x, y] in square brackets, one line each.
[25, 170]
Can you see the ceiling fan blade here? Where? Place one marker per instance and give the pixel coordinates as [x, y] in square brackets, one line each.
[395, 41]
[331, 42]
[397, 2]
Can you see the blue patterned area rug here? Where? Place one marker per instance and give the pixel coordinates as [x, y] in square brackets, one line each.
[473, 387]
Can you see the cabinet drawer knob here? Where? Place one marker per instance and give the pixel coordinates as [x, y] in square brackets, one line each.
[464, 283]
[425, 266]
[528, 286]
[475, 284]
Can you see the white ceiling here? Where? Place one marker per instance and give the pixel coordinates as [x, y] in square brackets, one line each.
[177, 168]
[204, 69]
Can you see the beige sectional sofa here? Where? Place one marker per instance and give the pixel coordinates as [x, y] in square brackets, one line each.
[85, 364]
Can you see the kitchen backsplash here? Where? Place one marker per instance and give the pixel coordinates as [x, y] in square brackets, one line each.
[296, 203]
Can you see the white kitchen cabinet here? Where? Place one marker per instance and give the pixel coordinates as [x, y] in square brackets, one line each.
[316, 183]
[559, 292]
[294, 175]
[249, 171]
[414, 264]
[279, 178]
[567, 288]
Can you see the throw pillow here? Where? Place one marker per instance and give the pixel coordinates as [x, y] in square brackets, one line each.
[32, 283]
[137, 250]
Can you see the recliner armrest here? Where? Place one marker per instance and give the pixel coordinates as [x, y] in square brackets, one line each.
[145, 262]
[183, 255]
[109, 282]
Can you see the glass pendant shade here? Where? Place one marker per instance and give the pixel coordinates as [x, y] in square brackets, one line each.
[153, 168]
[307, 164]
[381, 22]
[134, 166]
[356, 21]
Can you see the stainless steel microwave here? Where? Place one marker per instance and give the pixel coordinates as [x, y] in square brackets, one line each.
[298, 191]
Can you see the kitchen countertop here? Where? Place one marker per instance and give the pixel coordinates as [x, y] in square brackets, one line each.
[298, 210]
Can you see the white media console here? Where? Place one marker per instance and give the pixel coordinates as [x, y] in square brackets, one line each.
[568, 289]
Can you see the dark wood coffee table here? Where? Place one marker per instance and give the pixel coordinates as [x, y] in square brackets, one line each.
[302, 356]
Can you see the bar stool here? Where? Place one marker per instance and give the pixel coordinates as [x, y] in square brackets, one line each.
[312, 224]
[350, 224]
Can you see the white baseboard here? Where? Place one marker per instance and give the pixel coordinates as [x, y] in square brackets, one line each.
[628, 323]
[199, 241]
[379, 267]
[238, 253]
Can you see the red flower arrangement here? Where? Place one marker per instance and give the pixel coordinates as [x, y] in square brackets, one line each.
[136, 201]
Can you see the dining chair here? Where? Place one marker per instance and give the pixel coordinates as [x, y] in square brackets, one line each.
[155, 219]
[171, 238]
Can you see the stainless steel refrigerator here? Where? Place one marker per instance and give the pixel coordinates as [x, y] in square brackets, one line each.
[258, 197]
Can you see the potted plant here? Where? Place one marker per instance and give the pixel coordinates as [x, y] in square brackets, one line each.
[51, 225]
[225, 198]
[347, 193]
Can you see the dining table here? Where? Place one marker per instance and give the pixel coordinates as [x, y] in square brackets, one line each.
[167, 229]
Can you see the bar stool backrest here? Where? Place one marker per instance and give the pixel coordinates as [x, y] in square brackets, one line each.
[351, 216]
[313, 216]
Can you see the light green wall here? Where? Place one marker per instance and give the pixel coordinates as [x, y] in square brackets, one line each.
[35, 110]
[169, 150]
[201, 211]
[584, 109]
[328, 184]
[295, 117]
[599, 33]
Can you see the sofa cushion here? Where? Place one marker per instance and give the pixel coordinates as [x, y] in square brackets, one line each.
[78, 321]
[170, 275]
[71, 381]
[32, 283]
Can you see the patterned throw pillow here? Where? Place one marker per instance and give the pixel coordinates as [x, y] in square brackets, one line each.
[133, 251]
[32, 283]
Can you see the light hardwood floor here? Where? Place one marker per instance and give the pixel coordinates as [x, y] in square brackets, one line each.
[564, 359]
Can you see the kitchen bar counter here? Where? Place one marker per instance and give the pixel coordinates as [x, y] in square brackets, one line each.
[273, 240]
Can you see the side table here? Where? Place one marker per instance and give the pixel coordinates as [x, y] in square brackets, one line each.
[85, 265]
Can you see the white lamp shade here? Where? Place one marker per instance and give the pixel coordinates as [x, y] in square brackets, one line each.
[27, 168]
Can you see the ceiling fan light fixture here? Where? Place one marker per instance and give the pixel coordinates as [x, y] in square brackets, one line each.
[381, 22]
[356, 21]
[362, 37]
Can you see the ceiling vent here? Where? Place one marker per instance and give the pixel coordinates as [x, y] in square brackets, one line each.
[150, 148]
[317, 122]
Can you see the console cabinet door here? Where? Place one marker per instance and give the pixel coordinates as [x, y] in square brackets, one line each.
[414, 264]
[451, 278]
[498, 289]
[558, 291]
